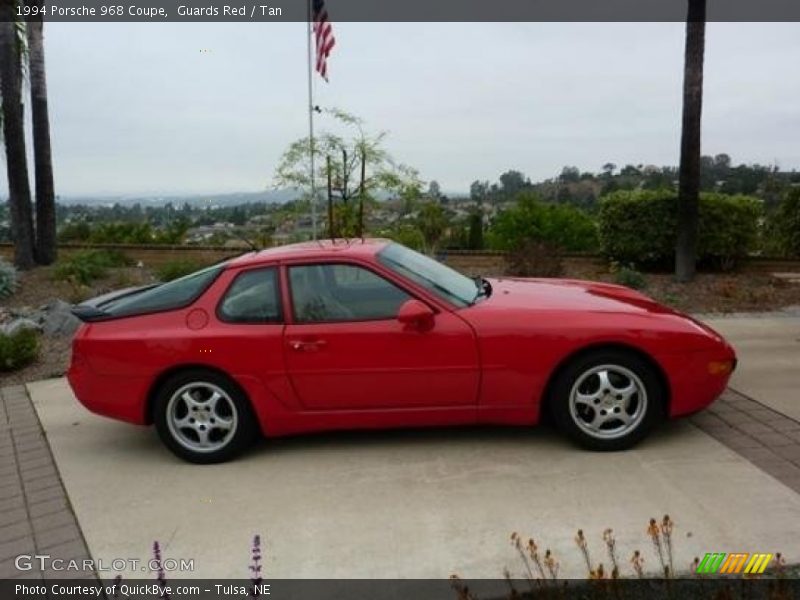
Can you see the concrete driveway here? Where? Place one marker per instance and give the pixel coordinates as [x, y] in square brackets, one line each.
[426, 504]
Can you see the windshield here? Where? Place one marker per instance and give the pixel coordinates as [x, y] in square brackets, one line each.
[167, 296]
[443, 281]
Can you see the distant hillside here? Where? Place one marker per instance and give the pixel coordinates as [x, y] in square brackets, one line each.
[229, 199]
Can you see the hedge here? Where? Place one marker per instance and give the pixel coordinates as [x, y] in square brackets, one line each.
[639, 228]
[784, 226]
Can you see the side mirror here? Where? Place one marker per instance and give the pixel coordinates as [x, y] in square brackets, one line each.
[416, 315]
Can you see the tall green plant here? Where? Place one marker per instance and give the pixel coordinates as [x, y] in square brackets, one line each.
[356, 163]
[475, 235]
[432, 222]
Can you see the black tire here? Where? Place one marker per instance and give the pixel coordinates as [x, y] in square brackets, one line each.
[230, 429]
[584, 376]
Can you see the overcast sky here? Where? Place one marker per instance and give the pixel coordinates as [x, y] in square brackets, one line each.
[177, 107]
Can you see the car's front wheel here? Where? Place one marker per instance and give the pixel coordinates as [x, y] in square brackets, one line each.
[607, 400]
[203, 418]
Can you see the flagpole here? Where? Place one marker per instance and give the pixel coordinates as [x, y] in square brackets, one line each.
[311, 127]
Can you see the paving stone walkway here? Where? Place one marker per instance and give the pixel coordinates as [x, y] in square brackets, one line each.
[35, 514]
[36, 517]
[767, 438]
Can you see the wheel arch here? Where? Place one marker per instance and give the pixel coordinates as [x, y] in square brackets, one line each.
[599, 347]
[165, 375]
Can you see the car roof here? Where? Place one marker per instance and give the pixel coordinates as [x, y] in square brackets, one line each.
[315, 249]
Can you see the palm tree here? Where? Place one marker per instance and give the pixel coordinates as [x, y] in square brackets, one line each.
[689, 179]
[19, 193]
[45, 247]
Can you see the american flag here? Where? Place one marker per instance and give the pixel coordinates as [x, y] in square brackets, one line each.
[323, 36]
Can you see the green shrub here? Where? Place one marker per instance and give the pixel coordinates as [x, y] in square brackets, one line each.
[639, 228]
[728, 228]
[19, 349]
[8, 279]
[77, 231]
[85, 266]
[121, 233]
[531, 220]
[175, 269]
[784, 225]
[629, 277]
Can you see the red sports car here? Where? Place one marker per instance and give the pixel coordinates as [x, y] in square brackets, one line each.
[370, 334]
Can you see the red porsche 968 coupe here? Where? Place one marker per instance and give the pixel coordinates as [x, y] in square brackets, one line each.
[370, 334]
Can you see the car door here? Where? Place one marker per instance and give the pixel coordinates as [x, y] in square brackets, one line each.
[346, 350]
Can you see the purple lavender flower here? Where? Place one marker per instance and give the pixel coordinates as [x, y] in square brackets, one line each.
[161, 577]
[255, 567]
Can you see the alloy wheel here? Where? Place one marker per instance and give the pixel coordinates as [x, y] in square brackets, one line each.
[608, 401]
[201, 417]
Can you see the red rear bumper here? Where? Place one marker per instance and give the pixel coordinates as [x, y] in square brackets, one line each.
[123, 398]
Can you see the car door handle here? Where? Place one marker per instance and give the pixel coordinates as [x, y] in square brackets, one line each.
[307, 346]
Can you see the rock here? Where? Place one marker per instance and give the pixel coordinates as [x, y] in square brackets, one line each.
[24, 311]
[17, 325]
[787, 277]
[58, 320]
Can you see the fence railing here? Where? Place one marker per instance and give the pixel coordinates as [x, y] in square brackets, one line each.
[157, 254]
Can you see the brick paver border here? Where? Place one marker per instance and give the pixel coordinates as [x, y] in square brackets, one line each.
[768, 439]
[36, 517]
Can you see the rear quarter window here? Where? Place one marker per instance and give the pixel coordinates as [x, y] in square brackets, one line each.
[167, 296]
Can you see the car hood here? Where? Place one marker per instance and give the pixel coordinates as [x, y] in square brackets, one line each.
[570, 294]
[566, 302]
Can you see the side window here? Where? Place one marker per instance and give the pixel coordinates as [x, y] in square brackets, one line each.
[332, 292]
[253, 297]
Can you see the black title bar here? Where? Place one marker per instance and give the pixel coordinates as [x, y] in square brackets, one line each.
[410, 10]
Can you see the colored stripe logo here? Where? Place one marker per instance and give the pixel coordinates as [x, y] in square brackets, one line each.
[733, 564]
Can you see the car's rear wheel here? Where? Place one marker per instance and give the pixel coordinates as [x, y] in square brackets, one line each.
[203, 418]
[608, 400]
